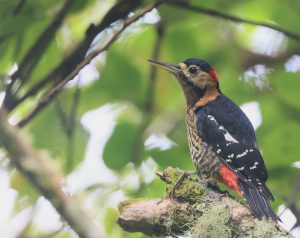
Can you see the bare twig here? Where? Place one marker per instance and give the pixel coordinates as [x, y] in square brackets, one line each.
[33, 56]
[294, 190]
[291, 202]
[37, 50]
[57, 88]
[18, 7]
[149, 98]
[68, 122]
[119, 11]
[148, 107]
[43, 174]
[215, 13]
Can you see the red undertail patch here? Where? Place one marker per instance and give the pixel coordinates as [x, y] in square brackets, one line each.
[229, 178]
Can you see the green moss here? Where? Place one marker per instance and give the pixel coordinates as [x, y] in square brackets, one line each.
[171, 175]
[179, 222]
[262, 229]
[215, 222]
[122, 205]
[188, 188]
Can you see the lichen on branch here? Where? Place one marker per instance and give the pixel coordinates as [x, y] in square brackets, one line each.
[192, 209]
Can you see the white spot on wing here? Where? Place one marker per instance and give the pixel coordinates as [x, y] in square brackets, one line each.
[229, 137]
[212, 118]
[244, 154]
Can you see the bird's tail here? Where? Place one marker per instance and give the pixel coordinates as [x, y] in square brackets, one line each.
[259, 205]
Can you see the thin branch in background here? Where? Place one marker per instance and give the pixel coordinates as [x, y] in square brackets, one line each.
[73, 59]
[294, 190]
[72, 122]
[18, 7]
[14, 12]
[215, 13]
[42, 173]
[33, 55]
[149, 98]
[58, 87]
[119, 11]
[63, 118]
[160, 30]
[68, 122]
[291, 202]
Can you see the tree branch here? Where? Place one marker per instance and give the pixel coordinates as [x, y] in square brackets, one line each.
[41, 172]
[68, 123]
[215, 13]
[119, 11]
[18, 7]
[57, 88]
[149, 98]
[195, 210]
[291, 202]
[34, 54]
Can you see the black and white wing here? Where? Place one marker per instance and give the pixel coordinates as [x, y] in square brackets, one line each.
[224, 126]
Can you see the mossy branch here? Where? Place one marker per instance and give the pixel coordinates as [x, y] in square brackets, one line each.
[193, 210]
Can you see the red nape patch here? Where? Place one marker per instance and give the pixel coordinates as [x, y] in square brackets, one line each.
[213, 73]
[229, 178]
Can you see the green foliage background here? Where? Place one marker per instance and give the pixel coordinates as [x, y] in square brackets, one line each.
[125, 79]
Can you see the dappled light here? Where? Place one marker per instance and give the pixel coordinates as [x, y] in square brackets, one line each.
[87, 123]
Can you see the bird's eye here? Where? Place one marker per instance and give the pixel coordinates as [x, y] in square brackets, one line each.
[193, 70]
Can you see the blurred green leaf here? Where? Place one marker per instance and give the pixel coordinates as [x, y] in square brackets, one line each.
[287, 87]
[48, 133]
[120, 148]
[15, 25]
[120, 80]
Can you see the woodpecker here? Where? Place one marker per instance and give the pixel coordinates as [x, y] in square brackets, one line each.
[221, 138]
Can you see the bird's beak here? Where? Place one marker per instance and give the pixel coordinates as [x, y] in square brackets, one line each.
[172, 68]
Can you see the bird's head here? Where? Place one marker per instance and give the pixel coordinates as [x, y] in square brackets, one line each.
[195, 76]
